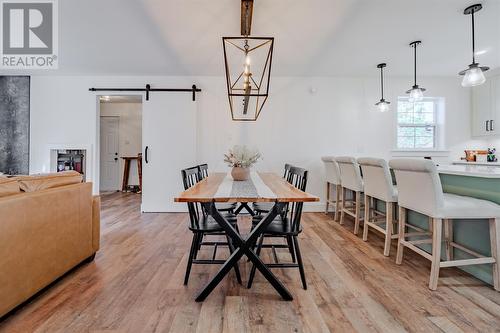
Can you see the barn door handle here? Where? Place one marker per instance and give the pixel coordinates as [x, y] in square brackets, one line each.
[146, 154]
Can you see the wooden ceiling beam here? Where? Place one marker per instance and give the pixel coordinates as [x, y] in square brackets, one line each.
[246, 17]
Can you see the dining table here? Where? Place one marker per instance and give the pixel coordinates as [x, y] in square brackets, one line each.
[259, 187]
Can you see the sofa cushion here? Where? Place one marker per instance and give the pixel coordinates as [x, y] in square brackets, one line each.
[8, 186]
[50, 180]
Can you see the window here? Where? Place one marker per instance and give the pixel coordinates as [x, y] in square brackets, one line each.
[417, 124]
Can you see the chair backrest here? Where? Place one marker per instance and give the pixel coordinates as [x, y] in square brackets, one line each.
[377, 179]
[350, 173]
[298, 178]
[332, 170]
[419, 185]
[190, 177]
[203, 170]
[286, 170]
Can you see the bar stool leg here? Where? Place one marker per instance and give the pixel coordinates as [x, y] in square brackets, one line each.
[367, 217]
[448, 236]
[327, 197]
[388, 227]
[338, 198]
[342, 213]
[495, 248]
[357, 212]
[401, 235]
[436, 253]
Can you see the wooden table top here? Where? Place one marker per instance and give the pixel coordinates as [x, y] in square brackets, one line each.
[205, 190]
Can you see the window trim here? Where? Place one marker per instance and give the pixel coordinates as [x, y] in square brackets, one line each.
[438, 145]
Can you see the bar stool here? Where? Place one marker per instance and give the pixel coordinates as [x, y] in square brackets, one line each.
[378, 185]
[350, 178]
[419, 189]
[332, 173]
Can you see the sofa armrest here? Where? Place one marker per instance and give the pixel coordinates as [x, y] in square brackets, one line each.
[96, 222]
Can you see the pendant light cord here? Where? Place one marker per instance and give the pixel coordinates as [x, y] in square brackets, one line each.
[382, 81]
[473, 40]
[415, 65]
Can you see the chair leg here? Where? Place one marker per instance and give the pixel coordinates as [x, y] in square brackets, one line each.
[343, 207]
[367, 217]
[327, 197]
[299, 261]
[388, 227]
[289, 241]
[252, 271]
[338, 198]
[194, 245]
[436, 253]
[401, 234]
[236, 267]
[357, 212]
[199, 240]
[495, 248]
[448, 236]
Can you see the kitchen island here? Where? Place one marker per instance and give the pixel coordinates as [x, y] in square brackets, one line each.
[482, 182]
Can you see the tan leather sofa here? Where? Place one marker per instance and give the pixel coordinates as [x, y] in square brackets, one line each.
[44, 234]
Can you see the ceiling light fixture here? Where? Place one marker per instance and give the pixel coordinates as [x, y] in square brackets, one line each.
[416, 93]
[247, 63]
[382, 105]
[473, 76]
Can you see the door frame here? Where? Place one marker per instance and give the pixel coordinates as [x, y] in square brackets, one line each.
[118, 151]
[97, 174]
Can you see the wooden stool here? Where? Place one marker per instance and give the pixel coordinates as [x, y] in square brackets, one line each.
[126, 170]
[332, 173]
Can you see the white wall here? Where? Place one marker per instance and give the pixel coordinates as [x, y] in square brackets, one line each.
[130, 134]
[296, 125]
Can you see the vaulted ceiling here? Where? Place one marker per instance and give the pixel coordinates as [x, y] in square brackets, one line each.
[313, 37]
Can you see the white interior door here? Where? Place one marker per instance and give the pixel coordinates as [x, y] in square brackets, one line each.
[169, 145]
[110, 166]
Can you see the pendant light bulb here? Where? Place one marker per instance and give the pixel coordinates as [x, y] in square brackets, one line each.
[474, 75]
[416, 95]
[383, 106]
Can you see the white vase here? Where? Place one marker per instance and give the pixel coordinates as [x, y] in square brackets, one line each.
[240, 174]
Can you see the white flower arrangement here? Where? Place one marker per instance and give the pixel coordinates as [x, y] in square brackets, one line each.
[242, 157]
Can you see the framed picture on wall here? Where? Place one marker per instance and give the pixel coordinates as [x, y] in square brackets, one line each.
[14, 124]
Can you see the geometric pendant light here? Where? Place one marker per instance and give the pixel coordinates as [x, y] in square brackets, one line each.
[247, 62]
[473, 76]
[382, 105]
[416, 93]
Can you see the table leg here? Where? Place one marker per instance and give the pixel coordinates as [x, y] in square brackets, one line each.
[244, 248]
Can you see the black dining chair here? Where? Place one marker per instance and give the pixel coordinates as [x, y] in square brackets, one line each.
[264, 207]
[286, 226]
[201, 224]
[221, 207]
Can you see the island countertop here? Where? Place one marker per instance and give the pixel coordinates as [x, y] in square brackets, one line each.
[483, 171]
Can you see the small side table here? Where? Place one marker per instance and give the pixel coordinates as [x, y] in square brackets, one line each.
[126, 170]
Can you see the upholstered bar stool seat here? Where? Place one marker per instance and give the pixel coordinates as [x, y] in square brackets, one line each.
[420, 190]
[351, 180]
[378, 185]
[332, 178]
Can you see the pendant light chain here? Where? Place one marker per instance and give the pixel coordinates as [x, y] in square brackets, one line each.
[415, 65]
[382, 81]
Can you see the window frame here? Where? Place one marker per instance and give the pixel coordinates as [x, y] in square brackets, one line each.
[438, 105]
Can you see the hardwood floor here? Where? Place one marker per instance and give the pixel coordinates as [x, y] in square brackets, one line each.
[135, 285]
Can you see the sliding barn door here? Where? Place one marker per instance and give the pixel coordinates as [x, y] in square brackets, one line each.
[169, 145]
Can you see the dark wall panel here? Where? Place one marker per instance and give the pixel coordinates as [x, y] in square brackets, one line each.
[14, 124]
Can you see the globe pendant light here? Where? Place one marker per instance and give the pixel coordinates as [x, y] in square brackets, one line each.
[473, 76]
[416, 93]
[382, 105]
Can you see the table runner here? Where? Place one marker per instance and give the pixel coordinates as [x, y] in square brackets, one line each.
[254, 187]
